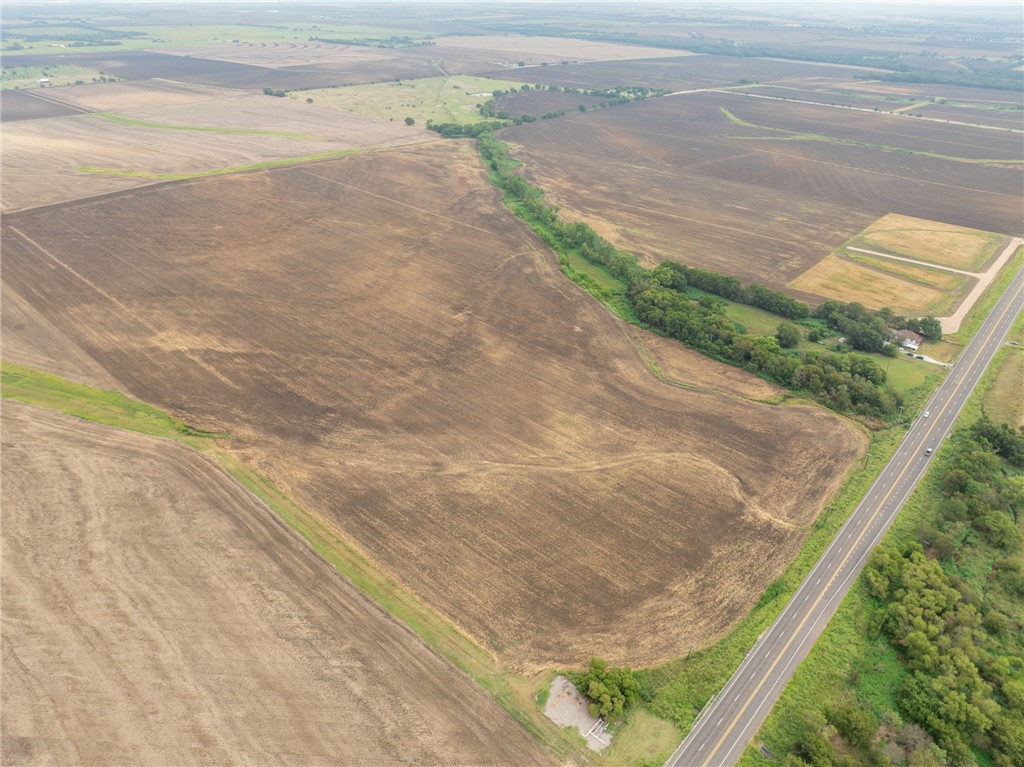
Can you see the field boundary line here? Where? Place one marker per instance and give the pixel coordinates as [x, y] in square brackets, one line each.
[396, 202]
[133, 315]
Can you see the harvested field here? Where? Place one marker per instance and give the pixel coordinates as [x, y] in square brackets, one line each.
[685, 72]
[876, 283]
[278, 55]
[137, 94]
[536, 103]
[1008, 118]
[318, 65]
[674, 178]
[476, 423]
[31, 105]
[31, 340]
[840, 95]
[925, 136]
[165, 616]
[928, 91]
[535, 50]
[49, 161]
[932, 241]
[142, 65]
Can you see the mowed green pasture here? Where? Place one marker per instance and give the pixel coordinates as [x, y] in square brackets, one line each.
[438, 99]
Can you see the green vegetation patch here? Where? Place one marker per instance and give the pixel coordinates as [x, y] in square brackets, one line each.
[455, 99]
[107, 407]
[13, 76]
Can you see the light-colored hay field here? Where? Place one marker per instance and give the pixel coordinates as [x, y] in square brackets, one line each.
[277, 55]
[137, 94]
[953, 286]
[958, 247]
[846, 280]
[441, 99]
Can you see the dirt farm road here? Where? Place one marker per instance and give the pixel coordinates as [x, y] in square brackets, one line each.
[733, 717]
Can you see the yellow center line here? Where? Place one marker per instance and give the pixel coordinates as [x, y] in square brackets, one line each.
[895, 483]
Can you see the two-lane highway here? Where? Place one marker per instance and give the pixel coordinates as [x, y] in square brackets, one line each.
[731, 718]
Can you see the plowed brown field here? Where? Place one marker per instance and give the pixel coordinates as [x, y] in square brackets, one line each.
[155, 613]
[675, 178]
[397, 351]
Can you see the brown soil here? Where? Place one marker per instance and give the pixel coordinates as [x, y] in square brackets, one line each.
[155, 613]
[432, 382]
[29, 339]
[26, 105]
[679, 364]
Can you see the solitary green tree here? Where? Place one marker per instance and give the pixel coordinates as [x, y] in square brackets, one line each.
[788, 335]
[409, 121]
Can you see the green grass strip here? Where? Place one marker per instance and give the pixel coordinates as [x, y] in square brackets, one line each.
[35, 387]
[230, 131]
[220, 171]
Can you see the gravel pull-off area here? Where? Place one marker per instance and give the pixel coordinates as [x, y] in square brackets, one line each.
[155, 613]
[566, 707]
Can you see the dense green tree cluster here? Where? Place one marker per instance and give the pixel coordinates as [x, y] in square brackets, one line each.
[680, 277]
[611, 691]
[843, 382]
[1006, 79]
[862, 328]
[870, 331]
[929, 327]
[964, 652]
[458, 130]
[395, 41]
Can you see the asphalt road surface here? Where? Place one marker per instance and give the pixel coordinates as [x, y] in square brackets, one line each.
[731, 718]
